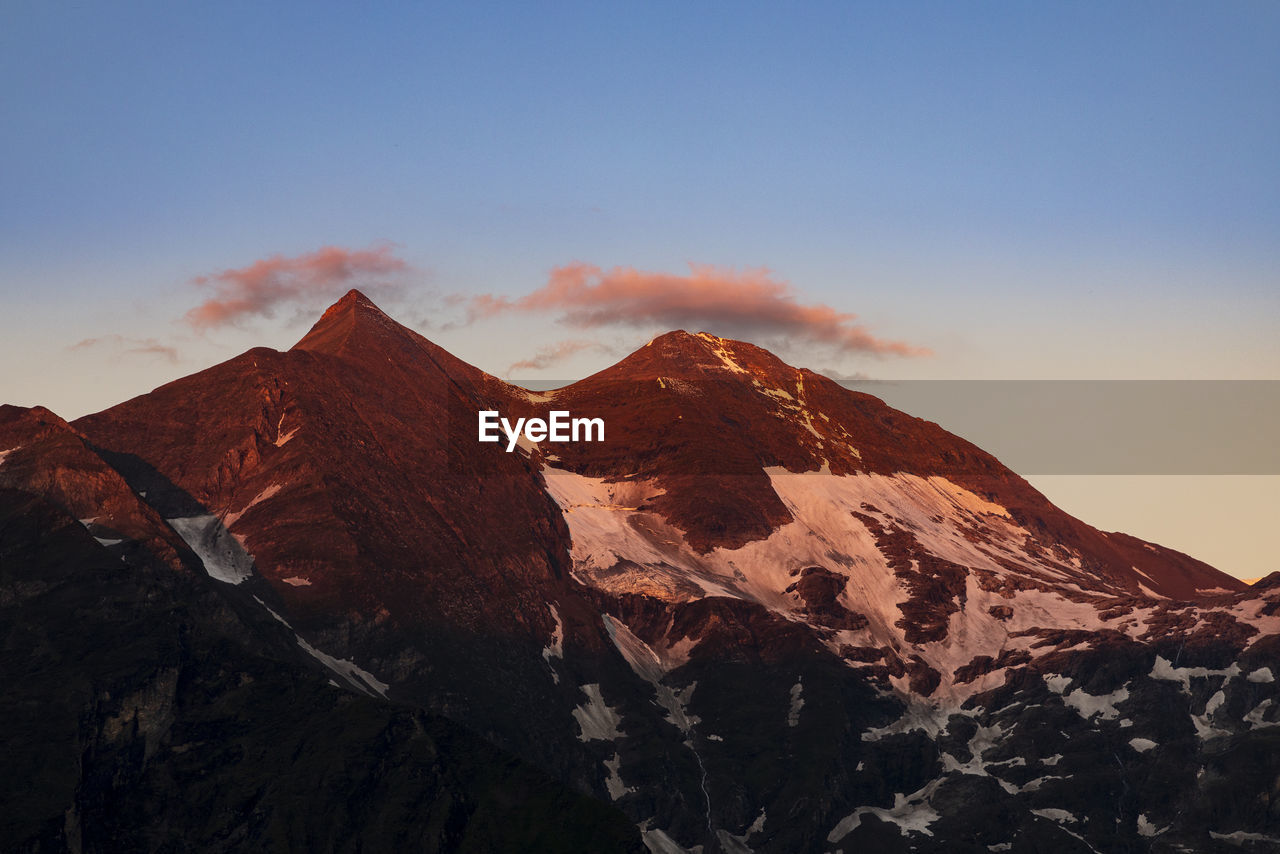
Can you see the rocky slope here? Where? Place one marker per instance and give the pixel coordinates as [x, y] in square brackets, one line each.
[151, 708]
[766, 613]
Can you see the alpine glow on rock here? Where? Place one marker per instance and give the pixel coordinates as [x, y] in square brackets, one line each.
[759, 612]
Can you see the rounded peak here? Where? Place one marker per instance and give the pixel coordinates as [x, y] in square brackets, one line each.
[675, 336]
[684, 338]
[682, 354]
[37, 416]
[707, 342]
[20, 425]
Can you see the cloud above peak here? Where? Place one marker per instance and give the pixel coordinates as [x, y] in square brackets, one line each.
[266, 285]
[749, 301]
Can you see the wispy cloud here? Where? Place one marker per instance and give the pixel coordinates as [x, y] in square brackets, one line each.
[842, 377]
[554, 354]
[129, 346]
[717, 299]
[264, 286]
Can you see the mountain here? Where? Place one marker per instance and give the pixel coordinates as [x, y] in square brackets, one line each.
[764, 613]
[149, 707]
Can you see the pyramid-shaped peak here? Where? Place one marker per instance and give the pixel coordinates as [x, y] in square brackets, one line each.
[356, 330]
[349, 315]
[352, 300]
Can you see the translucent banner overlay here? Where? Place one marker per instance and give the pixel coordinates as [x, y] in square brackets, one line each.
[1118, 427]
[1097, 427]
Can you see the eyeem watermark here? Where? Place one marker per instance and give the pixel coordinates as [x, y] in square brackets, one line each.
[559, 426]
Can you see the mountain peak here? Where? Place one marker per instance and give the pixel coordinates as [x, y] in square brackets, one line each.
[353, 312]
[355, 329]
[682, 353]
[682, 338]
[32, 421]
[353, 300]
[353, 297]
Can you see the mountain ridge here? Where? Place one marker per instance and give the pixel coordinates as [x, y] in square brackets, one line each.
[762, 594]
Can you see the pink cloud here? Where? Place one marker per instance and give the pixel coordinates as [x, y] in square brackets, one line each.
[261, 287]
[553, 354]
[129, 346]
[712, 298]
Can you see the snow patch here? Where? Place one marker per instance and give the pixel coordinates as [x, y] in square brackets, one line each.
[1102, 706]
[716, 346]
[1255, 718]
[1142, 745]
[282, 440]
[355, 676]
[1215, 702]
[1240, 837]
[1262, 674]
[647, 663]
[983, 740]
[1088, 706]
[597, 720]
[1165, 670]
[1203, 722]
[919, 715]
[1140, 572]
[1057, 683]
[296, 581]
[619, 548]
[556, 648]
[230, 519]
[613, 782]
[1149, 593]
[797, 703]
[911, 813]
[1147, 829]
[775, 393]
[222, 555]
[658, 842]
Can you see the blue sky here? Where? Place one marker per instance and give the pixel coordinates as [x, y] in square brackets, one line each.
[1032, 190]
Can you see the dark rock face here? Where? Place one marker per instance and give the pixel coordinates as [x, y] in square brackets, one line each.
[766, 613]
[819, 589]
[935, 586]
[146, 712]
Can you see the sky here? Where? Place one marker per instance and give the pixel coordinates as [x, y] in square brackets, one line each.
[972, 190]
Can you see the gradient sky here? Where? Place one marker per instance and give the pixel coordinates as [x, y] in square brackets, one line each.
[1028, 190]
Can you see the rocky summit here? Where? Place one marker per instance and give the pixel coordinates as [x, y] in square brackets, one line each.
[293, 602]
